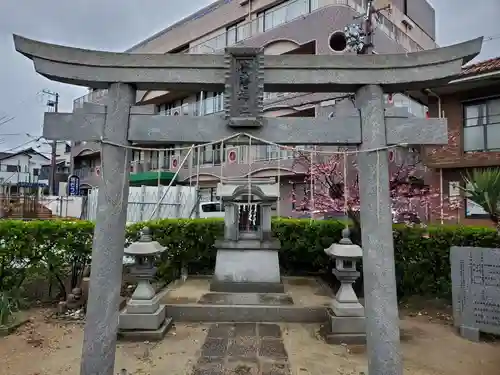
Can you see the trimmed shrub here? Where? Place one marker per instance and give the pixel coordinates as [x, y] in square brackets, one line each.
[58, 249]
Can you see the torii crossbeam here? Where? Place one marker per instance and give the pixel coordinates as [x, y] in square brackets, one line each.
[244, 73]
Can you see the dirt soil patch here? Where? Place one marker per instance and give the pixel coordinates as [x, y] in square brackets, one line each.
[430, 347]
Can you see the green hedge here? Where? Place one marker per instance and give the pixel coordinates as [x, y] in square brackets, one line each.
[54, 248]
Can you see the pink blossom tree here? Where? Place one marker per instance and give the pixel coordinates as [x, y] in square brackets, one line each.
[413, 200]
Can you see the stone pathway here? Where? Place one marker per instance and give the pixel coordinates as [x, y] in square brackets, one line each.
[243, 349]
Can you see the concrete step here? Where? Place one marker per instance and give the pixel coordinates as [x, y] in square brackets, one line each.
[246, 313]
[246, 307]
[305, 301]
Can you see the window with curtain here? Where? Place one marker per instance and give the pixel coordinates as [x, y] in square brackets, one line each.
[482, 125]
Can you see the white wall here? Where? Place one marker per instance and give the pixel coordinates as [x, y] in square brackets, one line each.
[63, 206]
[61, 152]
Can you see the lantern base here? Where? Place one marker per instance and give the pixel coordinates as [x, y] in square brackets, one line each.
[350, 330]
[347, 309]
[131, 321]
[146, 335]
[141, 306]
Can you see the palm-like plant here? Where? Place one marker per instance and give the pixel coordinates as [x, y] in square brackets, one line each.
[483, 188]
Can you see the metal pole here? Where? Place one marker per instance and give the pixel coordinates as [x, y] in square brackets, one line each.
[368, 50]
[170, 184]
[53, 156]
[441, 198]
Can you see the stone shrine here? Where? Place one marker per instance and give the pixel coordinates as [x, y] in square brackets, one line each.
[247, 257]
[475, 277]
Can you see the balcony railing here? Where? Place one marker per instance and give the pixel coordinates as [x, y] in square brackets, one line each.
[208, 106]
[90, 97]
[289, 12]
[84, 172]
[212, 157]
[281, 15]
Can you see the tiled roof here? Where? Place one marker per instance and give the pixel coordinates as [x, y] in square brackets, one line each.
[482, 67]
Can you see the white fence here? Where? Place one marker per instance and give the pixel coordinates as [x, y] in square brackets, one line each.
[151, 202]
[63, 206]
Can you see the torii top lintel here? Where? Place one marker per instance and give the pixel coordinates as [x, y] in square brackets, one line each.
[283, 73]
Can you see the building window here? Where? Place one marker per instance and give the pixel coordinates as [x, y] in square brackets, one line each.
[285, 12]
[207, 155]
[177, 108]
[238, 32]
[212, 102]
[482, 126]
[208, 194]
[13, 168]
[36, 171]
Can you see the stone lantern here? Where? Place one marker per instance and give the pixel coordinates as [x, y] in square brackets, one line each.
[346, 314]
[144, 317]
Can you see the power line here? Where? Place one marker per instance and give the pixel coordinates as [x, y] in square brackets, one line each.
[22, 144]
[39, 95]
[490, 38]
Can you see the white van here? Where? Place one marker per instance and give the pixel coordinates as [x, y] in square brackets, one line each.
[211, 209]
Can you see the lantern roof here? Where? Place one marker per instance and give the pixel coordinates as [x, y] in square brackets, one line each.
[345, 248]
[145, 246]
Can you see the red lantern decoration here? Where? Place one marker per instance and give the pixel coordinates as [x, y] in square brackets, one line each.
[232, 155]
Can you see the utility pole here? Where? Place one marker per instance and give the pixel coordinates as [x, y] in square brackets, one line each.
[372, 10]
[53, 106]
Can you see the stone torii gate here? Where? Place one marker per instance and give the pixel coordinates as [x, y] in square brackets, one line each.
[244, 74]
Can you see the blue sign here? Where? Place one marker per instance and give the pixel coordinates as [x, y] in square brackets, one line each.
[73, 185]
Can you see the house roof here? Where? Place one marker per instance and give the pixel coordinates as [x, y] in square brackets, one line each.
[58, 162]
[482, 67]
[30, 150]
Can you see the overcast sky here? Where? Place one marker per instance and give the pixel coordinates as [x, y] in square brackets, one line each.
[116, 25]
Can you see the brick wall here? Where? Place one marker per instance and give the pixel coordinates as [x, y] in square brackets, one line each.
[452, 155]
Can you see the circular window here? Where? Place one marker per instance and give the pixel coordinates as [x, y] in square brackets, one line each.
[338, 41]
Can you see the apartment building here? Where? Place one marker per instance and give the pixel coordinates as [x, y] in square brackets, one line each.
[279, 27]
[472, 105]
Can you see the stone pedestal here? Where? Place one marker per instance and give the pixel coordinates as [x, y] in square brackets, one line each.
[348, 330]
[144, 320]
[247, 266]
